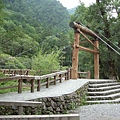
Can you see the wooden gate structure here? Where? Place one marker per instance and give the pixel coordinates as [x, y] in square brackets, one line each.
[79, 29]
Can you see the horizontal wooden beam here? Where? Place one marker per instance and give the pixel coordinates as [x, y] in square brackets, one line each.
[19, 103]
[87, 49]
[83, 29]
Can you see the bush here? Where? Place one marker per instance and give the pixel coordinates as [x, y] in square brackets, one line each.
[46, 62]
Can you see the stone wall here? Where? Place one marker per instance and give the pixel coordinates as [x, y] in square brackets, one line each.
[51, 105]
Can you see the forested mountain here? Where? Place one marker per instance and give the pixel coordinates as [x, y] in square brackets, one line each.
[28, 26]
[48, 12]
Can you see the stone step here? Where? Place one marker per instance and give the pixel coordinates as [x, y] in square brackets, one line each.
[104, 88]
[103, 85]
[107, 97]
[102, 81]
[103, 101]
[103, 93]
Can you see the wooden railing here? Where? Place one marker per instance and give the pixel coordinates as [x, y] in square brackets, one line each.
[13, 72]
[35, 81]
[84, 75]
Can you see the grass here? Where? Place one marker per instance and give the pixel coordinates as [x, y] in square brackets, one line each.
[83, 100]
[10, 84]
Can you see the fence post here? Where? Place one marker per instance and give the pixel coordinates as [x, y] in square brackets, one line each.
[60, 78]
[20, 85]
[47, 85]
[65, 76]
[55, 77]
[69, 73]
[38, 85]
[88, 75]
[32, 85]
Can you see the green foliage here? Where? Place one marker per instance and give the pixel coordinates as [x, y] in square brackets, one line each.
[8, 83]
[28, 26]
[8, 62]
[46, 62]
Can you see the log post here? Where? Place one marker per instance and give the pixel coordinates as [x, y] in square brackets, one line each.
[32, 86]
[74, 72]
[60, 78]
[96, 60]
[68, 73]
[38, 85]
[20, 85]
[55, 78]
[47, 84]
[88, 75]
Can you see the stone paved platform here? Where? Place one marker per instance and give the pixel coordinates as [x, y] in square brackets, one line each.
[60, 89]
[65, 87]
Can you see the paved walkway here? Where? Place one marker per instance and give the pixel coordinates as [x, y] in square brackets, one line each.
[65, 87]
[90, 112]
[99, 112]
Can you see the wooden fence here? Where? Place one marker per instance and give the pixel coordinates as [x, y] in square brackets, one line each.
[35, 81]
[13, 72]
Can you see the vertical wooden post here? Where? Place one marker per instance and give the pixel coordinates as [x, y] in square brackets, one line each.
[88, 75]
[20, 85]
[32, 86]
[60, 78]
[68, 73]
[47, 84]
[38, 85]
[74, 72]
[96, 61]
[55, 78]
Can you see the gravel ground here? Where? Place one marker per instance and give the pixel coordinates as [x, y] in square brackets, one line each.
[99, 112]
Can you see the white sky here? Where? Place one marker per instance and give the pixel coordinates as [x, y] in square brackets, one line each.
[73, 3]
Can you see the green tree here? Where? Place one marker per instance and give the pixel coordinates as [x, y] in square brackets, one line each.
[46, 62]
[99, 17]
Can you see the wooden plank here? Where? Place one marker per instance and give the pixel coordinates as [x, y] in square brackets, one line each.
[89, 40]
[87, 49]
[10, 78]
[8, 87]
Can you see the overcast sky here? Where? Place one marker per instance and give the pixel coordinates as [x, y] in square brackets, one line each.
[73, 3]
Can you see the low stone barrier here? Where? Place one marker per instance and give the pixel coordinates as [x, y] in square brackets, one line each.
[50, 105]
[42, 117]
